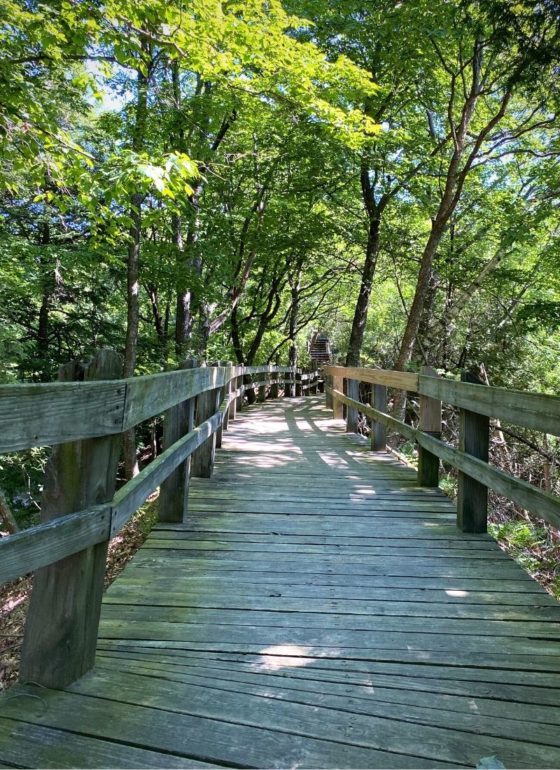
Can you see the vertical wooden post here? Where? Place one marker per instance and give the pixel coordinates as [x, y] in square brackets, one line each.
[202, 460]
[233, 388]
[430, 422]
[338, 384]
[273, 392]
[239, 385]
[227, 392]
[63, 619]
[328, 397]
[179, 420]
[262, 388]
[220, 395]
[474, 439]
[352, 416]
[378, 429]
[298, 383]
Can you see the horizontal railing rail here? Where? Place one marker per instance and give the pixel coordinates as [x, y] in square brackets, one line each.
[79, 418]
[477, 403]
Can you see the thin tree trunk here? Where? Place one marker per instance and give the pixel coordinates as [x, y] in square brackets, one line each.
[133, 267]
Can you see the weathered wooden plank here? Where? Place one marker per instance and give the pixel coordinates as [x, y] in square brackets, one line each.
[131, 496]
[61, 628]
[324, 722]
[45, 544]
[278, 618]
[53, 413]
[532, 410]
[24, 744]
[391, 379]
[526, 722]
[537, 501]
[358, 603]
[178, 421]
[235, 743]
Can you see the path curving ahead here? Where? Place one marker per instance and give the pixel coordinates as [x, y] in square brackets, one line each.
[317, 610]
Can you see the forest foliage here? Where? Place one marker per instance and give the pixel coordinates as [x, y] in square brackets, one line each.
[219, 179]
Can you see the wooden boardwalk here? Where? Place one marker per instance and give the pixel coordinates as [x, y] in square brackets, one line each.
[318, 610]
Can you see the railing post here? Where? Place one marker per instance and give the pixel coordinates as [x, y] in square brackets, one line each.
[179, 420]
[298, 383]
[239, 385]
[328, 396]
[261, 397]
[227, 392]
[220, 395]
[430, 422]
[352, 391]
[202, 461]
[273, 391]
[338, 384]
[63, 619]
[378, 429]
[474, 439]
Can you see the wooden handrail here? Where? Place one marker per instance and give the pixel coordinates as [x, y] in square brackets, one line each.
[72, 414]
[538, 411]
[35, 547]
[533, 410]
[54, 413]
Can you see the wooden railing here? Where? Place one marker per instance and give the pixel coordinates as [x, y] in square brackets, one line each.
[477, 404]
[81, 511]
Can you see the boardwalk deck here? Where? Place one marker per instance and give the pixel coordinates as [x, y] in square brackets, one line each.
[317, 610]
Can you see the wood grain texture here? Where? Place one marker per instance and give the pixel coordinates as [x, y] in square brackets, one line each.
[316, 609]
[392, 379]
[61, 627]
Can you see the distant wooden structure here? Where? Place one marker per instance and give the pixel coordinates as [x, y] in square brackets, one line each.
[320, 349]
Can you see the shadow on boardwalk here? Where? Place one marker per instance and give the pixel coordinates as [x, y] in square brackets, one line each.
[316, 610]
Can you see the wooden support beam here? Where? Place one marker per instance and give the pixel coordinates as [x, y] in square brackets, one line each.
[227, 392]
[261, 397]
[178, 421]
[378, 429]
[430, 422]
[328, 380]
[298, 383]
[63, 619]
[338, 384]
[352, 415]
[472, 496]
[202, 461]
[273, 391]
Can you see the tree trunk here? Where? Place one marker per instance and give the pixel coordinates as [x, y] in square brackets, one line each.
[133, 267]
[362, 304]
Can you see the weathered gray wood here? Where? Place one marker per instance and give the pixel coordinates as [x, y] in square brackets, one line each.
[378, 430]
[353, 392]
[261, 396]
[472, 495]
[273, 390]
[532, 410]
[41, 415]
[228, 399]
[178, 421]
[131, 496]
[207, 405]
[337, 388]
[392, 379]
[31, 745]
[430, 422]
[63, 618]
[45, 544]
